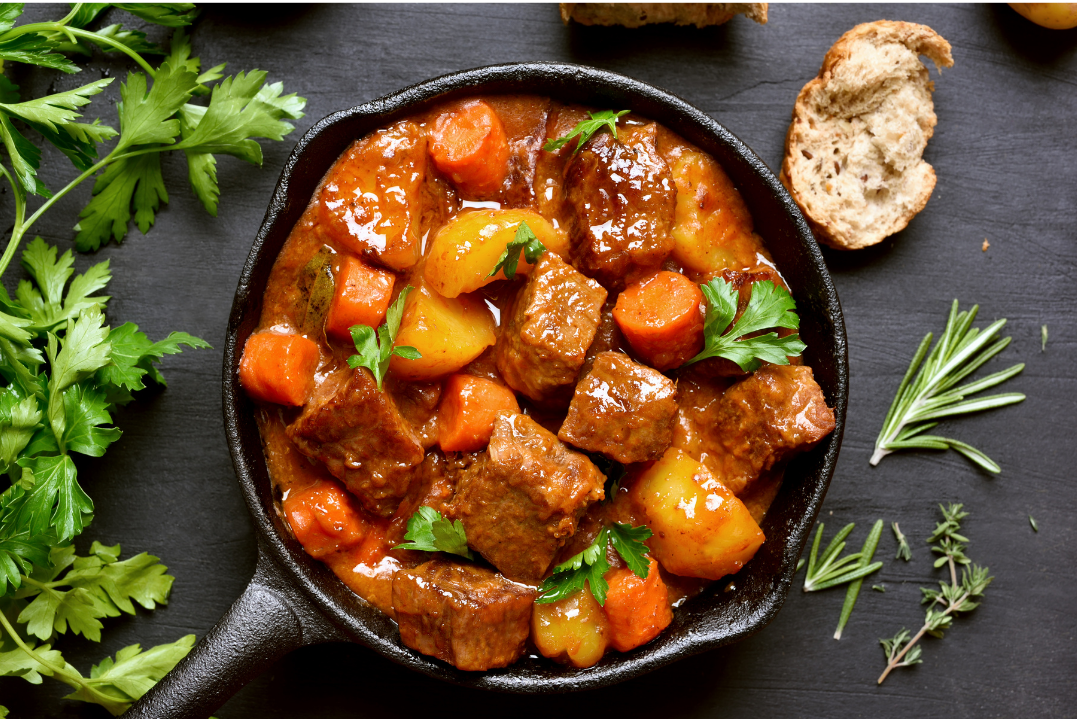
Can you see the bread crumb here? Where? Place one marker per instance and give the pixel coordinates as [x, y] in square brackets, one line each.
[986, 244]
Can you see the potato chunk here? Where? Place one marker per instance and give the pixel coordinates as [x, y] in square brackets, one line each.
[700, 528]
[712, 229]
[448, 332]
[574, 629]
[370, 202]
[467, 247]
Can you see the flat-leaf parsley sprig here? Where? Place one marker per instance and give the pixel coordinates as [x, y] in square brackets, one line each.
[376, 351]
[526, 242]
[769, 307]
[587, 568]
[428, 531]
[950, 599]
[586, 129]
[932, 393]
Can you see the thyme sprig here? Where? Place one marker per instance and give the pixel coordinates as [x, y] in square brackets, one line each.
[957, 597]
[904, 551]
[931, 394]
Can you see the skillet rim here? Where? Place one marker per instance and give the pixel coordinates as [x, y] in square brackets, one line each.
[357, 619]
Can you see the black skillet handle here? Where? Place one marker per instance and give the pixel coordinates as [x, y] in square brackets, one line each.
[269, 620]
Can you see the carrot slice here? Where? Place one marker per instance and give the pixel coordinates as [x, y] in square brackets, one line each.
[468, 408]
[323, 518]
[662, 318]
[278, 368]
[362, 296]
[468, 144]
[638, 609]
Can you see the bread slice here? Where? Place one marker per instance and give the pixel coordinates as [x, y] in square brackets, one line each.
[853, 153]
[634, 14]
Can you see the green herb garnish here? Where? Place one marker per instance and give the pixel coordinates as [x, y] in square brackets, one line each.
[951, 599]
[930, 394]
[526, 242]
[1043, 338]
[904, 551]
[867, 553]
[770, 306]
[589, 566]
[431, 532]
[586, 129]
[376, 351]
[827, 570]
[1032, 521]
[878, 588]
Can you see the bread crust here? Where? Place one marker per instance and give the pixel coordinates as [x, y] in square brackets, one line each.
[637, 14]
[876, 117]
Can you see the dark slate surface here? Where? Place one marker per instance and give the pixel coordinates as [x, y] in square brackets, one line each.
[1004, 152]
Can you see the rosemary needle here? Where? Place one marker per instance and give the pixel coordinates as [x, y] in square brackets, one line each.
[930, 394]
[867, 553]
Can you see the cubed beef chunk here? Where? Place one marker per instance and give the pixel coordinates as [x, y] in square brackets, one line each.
[433, 486]
[761, 420]
[360, 435]
[467, 615]
[608, 337]
[621, 196]
[525, 502]
[418, 403]
[550, 326]
[622, 409]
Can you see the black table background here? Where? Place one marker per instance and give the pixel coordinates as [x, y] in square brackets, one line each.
[1005, 152]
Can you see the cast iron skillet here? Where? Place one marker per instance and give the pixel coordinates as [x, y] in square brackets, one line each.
[294, 600]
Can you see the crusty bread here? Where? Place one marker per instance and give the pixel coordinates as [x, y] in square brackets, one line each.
[853, 153]
[634, 14]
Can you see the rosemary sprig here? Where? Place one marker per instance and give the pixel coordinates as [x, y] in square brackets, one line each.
[867, 553]
[904, 551]
[930, 394]
[827, 570]
[946, 602]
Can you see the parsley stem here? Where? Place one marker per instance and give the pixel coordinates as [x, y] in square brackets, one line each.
[118, 45]
[61, 673]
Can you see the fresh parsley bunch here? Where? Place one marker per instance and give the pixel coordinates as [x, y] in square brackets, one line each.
[63, 368]
[588, 568]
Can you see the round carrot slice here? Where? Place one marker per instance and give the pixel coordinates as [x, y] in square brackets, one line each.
[468, 145]
[662, 318]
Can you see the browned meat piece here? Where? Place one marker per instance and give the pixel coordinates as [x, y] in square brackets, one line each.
[359, 433]
[621, 196]
[761, 420]
[418, 403]
[524, 119]
[466, 615]
[550, 326]
[433, 486]
[520, 508]
[622, 409]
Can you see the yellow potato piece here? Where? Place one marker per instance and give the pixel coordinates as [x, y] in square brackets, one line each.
[448, 332]
[1054, 15]
[465, 250]
[574, 629]
[700, 528]
[712, 228]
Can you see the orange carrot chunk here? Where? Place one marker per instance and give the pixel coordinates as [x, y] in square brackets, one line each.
[362, 296]
[468, 144]
[278, 368]
[638, 609]
[468, 408]
[323, 518]
[661, 317]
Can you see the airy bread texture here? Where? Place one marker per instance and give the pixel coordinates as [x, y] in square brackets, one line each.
[634, 14]
[853, 153]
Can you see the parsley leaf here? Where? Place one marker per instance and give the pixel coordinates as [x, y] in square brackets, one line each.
[17, 663]
[134, 356]
[132, 673]
[146, 117]
[586, 129]
[35, 49]
[375, 352]
[54, 117]
[168, 14]
[590, 566]
[55, 500]
[48, 308]
[525, 241]
[25, 157]
[85, 350]
[133, 180]
[770, 306]
[431, 532]
[9, 13]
